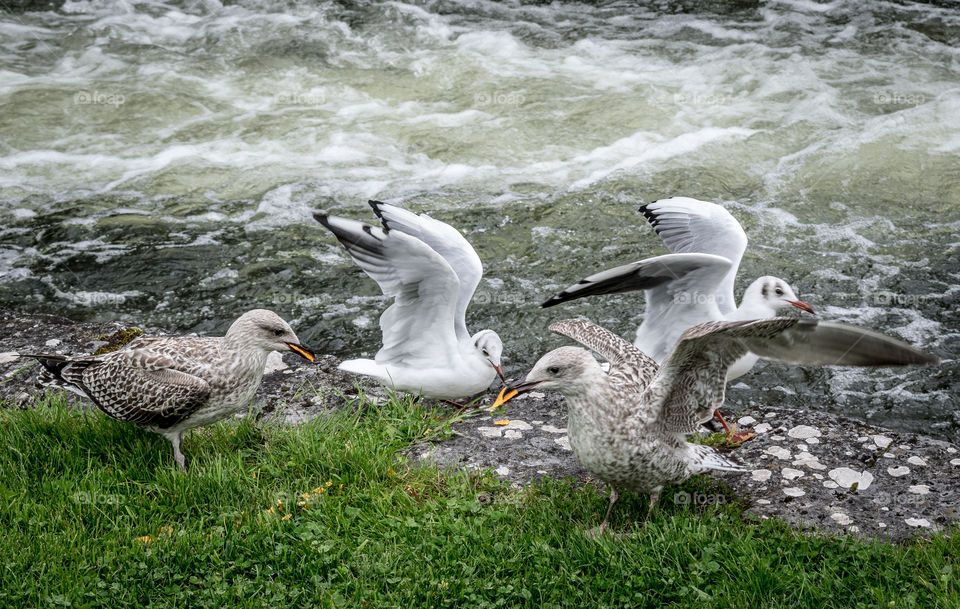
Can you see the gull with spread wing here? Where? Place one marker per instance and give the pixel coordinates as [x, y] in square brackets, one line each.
[628, 426]
[694, 283]
[432, 272]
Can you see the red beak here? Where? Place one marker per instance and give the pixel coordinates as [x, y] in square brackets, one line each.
[499, 372]
[802, 306]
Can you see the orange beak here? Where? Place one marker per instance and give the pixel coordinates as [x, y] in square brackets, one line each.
[506, 394]
[802, 306]
[302, 351]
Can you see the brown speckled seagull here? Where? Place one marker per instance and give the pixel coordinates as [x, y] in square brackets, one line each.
[628, 427]
[171, 384]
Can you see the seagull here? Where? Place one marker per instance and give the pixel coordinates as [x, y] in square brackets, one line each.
[694, 283]
[171, 384]
[628, 427]
[432, 272]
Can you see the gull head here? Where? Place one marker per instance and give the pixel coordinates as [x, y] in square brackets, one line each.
[568, 370]
[488, 343]
[265, 330]
[769, 295]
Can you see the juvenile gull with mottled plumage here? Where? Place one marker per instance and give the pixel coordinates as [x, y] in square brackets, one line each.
[628, 427]
[171, 384]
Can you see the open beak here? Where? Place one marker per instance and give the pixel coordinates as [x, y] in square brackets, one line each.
[302, 351]
[508, 393]
[802, 306]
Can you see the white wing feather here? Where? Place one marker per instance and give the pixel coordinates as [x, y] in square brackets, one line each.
[446, 241]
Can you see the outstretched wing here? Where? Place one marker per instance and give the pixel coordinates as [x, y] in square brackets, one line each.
[690, 226]
[681, 291]
[691, 382]
[418, 328]
[446, 241]
[628, 365]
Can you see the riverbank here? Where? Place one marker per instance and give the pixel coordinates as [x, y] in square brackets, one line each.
[816, 471]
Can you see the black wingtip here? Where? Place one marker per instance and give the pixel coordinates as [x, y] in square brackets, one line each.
[321, 216]
[377, 209]
[649, 214]
[53, 364]
[546, 304]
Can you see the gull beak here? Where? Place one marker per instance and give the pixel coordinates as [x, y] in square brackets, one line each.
[802, 306]
[302, 351]
[499, 373]
[508, 393]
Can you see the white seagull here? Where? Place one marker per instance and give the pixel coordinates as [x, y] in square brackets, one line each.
[628, 427]
[432, 271]
[694, 283]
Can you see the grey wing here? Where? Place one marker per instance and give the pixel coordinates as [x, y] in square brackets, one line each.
[627, 363]
[446, 241]
[690, 226]
[681, 291]
[695, 273]
[691, 383]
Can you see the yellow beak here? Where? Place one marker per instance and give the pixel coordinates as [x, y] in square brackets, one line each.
[506, 394]
[302, 351]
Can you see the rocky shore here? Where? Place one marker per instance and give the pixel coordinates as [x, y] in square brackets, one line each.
[817, 471]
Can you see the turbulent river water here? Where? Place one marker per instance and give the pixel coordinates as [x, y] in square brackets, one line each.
[159, 161]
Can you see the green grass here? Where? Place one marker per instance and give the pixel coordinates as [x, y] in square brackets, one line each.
[81, 494]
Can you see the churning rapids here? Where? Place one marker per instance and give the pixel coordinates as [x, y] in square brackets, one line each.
[159, 162]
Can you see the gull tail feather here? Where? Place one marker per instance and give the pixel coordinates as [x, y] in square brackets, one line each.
[705, 458]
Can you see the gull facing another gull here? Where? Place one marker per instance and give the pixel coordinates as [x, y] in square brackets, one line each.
[694, 283]
[432, 271]
[171, 384]
[628, 427]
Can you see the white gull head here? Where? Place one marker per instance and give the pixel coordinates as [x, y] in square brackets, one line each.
[765, 297]
[488, 343]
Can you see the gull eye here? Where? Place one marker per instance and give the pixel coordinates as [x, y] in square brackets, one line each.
[554, 370]
[485, 353]
[279, 332]
[778, 291]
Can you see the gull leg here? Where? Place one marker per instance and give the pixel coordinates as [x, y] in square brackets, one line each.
[734, 438]
[597, 532]
[654, 496]
[175, 440]
[716, 413]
